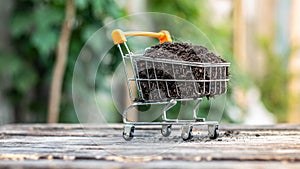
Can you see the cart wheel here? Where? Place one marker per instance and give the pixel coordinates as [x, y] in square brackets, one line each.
[186, 132]
[166, 130]
[213, 131]
[128, 132]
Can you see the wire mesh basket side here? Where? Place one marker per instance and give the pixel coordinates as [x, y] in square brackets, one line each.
[161, 80]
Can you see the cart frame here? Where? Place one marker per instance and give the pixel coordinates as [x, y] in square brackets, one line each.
[169, 102]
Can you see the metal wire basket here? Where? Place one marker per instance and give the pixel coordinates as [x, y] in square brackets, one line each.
[166, 81]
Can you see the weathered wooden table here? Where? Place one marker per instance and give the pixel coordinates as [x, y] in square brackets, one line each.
[92, 146]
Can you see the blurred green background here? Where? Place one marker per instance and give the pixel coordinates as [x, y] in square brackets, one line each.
[258, 46]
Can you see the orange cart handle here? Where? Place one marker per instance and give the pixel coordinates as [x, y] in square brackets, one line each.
[119, 36]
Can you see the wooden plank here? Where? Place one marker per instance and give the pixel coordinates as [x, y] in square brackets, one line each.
[88, 164]
[102, 146]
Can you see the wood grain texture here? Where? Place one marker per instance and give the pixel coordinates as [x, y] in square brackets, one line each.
[102, 146]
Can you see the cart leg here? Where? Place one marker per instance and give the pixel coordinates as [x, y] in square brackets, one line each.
[213, 131]
[126, 111]
[166, 130]
[197, 119]
[128, 132]
[186, 132]
[171, 104]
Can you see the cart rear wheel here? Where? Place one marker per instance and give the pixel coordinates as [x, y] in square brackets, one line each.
[213, 131]
[166, 130]
[128, 132]
[186, 132]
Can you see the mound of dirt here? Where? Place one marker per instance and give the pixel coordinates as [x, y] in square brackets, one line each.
[167, 80]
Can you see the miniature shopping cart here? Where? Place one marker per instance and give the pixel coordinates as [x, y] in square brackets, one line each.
[153, 89]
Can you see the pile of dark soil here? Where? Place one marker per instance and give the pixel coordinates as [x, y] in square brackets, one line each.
[183, 51]
[157, 88]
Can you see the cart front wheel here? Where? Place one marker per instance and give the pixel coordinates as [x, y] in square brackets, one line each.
[186, 132]
[166, 130]
[128, 132]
